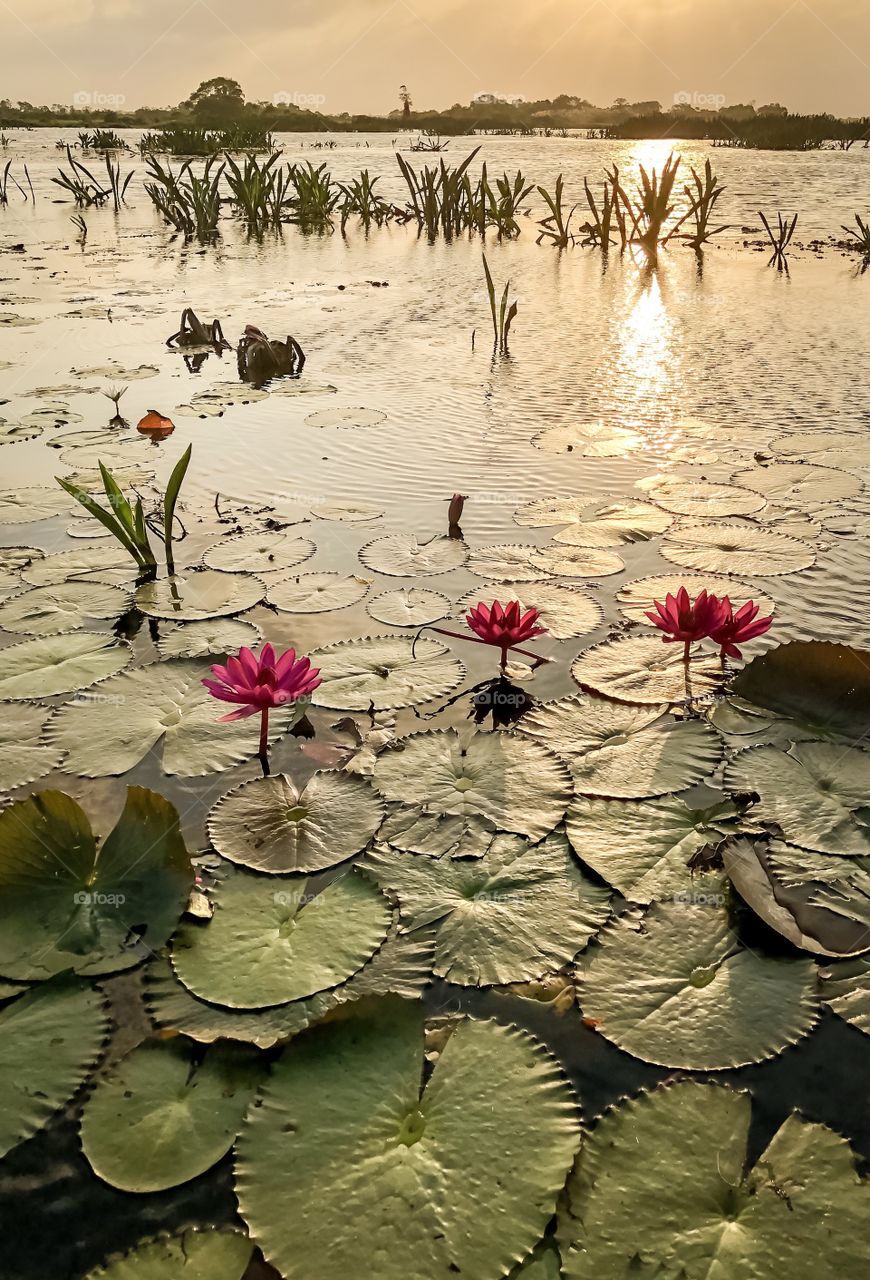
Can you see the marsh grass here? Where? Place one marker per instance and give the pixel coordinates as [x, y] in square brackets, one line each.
[556, 227]
[703, 195]
[503, 312]
[187, 202]
[780, 239]
[259, 191]
[359, 199]
[314, 197]
[81, 184]
[6, 177]
[102, 140]
[860, 239]
[179, 141]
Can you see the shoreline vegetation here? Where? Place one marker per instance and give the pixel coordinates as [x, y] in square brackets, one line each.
[220, 103]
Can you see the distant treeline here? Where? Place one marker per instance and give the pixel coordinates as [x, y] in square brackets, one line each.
[776, 133]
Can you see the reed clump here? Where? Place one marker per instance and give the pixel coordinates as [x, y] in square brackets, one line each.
[860, 238]
[189, 202]
[180, 141]
[102, 140]
[780, 238]
[503, 312]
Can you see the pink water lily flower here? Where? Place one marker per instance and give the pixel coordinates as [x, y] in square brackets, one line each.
[682, 619]
[259, 683]
[505, 627]
[739, 627]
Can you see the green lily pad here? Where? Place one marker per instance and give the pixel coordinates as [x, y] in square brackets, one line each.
[517, 913]
[210, 636]
[737, 548]
[24, 756]
[49, 611]
[13, 559]
[24, 506]
[193, 1255]
[643, 847]
[645, 670]
[271, 941]
[85, 564]
[66, 903]
[664, 1178]
[409, 607]
[164, 1115]
[400, 555]
[346, 1148]
[566, 611]
[674, 986]
[414, 829]
[317, 592]
[514, 782]
[624, 751]
[384, 672]
[269, 824]
[816, 793]
[259, 552]
[519, 562]
[846, 990]
[163, 700]
[813, 682]
[50, 665]
[200, 593]
[49, 1040]
[544, 1264]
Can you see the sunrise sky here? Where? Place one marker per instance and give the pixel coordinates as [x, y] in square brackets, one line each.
[351, 55]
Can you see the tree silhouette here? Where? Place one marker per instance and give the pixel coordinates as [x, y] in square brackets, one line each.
[217, 99]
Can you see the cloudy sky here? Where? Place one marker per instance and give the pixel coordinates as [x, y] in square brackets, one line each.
[351, 55]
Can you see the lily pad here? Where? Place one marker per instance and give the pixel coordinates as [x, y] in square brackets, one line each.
[409, 607]
[356, 417]
[589, 440]
[269, 824]
[106, 564]
[514, 782]
[799, 484]
[726, 548]
[624, 751]
[193, 1255]
[643, 847]
[162, 699]
[518, 562]
[50, 665]
[666, 1175]
[815, 793]
[24, 756]
[459, 1180]
[163, 1116]
[346, 512]
[643, 669]
[636, 599]
[543, 513]
[200, 593]
[48, 611]
[610, 524]
[317, 592]
[215, 400]
[271, 941]
[414, 829]
[24, 506]
[566, 611]
[66, 903]
[259, 552]
[815, 683]
[384, 672]
[16, 432]
[199, 639]
[50, 1038]
[700, 498]
[846, 990]
[674, 986]
[400, 555]
[14, 559]
[517, 913]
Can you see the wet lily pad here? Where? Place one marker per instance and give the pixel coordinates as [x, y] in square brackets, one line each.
[519, 912]
[799, 484]
[17, 432]
[725, 548]
[408, 607]
[643, 847]
[259, 552]
[669, 1169]
[516, 783]
[635, 599]
[461, 1181]
[383, 672]
[163, 1116]
[700, 498]
[813, 682]
[674, 986]
[68, 904]
[269, 824]
[107, 564]
[24, 756]
[317, 592]
[200, 593]
[815, 793]
[543, 513]
[14, 559]
[566, 611]
[213, 402]
[50, 1038]
[49, 665]
[48, 611]
[347, 512]
[414, 829]
[199, 639]
[846, 990]
[645, 670]
[271, 941]
[119, 372]
[356, 417]
[589, 440]
[400, 555]
[193, 1255]
[516, 562]
[24, 506]
[160, 700]
[610, 524]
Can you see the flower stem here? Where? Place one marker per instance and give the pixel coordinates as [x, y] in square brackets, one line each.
[264, 741]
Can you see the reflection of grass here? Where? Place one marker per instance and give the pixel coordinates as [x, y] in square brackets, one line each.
[781, 239]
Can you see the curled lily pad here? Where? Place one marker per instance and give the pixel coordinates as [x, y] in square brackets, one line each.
[49, 665]
[610, 524]
[408, 607]
[670, 1169]
[589, 440]
[519, 912]
[50, 1038]
[700, 498]
[161, 700]
[317, 592]
[800, 484]
[566, 611]
[66, 903]
[357, 417]
[271, 941]
[725, 548]
[815, 683]
[460, 1180]
[846, 990]
[514, 782]
[384, 672]
[199, 639]
[23, 506]
[193, 1255]
[815, 793]
[163, 1116]
[624, 751]
[674, 986]
[259, 552]
[516, 562]
[644, 847]
[269, 824]
[24, 756]
[200, 593]
[636, 599]
[642, 669]
[13, 559]
[400, 555]
[414, 829]
[48, 611]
